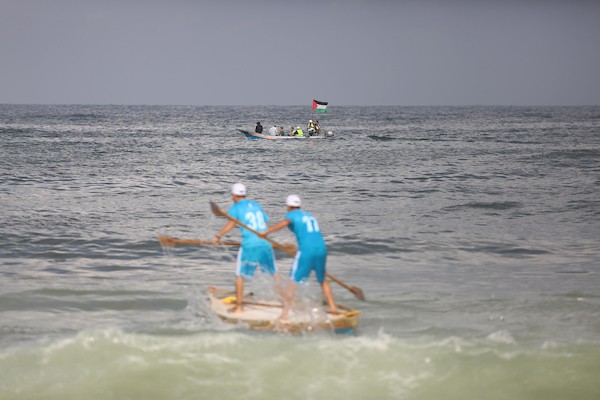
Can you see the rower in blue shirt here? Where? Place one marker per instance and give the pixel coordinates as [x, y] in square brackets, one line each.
[254, 251]
[311, 255]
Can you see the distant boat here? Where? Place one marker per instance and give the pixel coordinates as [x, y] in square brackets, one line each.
[317, 107]
[258, 136]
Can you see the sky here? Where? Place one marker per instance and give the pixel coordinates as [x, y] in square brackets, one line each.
[268, 52]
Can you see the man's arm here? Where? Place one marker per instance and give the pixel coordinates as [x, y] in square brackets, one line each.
[278, 226]
[227, 228]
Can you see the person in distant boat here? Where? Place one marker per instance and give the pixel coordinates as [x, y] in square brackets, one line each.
[273, 131]
[310, 128]
[259, 128]
[292, 131]
[299, 132]
[317, 127]
[280, 131]
[254, 251]
[311, 255]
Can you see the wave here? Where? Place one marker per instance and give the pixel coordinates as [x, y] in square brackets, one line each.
[492, 205]
[381, 138]
[113, 364]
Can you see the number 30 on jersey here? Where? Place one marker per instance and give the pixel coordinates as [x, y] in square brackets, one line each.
[256, 220]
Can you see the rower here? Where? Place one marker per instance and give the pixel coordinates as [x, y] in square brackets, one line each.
[311, 128]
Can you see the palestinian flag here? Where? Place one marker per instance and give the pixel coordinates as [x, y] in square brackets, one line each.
[319, 106]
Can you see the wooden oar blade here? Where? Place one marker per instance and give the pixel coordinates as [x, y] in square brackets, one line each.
[355, 290]
[216, 210]
[358, 293]
[166, 241]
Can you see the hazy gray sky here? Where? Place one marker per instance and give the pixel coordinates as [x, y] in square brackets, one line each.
[267, 52]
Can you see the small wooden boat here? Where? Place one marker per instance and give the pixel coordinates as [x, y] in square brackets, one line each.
[257, 136]
[263, 315]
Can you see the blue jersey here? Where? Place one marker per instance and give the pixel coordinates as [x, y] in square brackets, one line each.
[250, 213]
[306, 228]
[312, 253]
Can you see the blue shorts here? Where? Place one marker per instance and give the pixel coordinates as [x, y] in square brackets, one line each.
[307, 260]
[249, 258]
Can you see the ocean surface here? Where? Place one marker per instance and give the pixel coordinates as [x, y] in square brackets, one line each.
[474, 233]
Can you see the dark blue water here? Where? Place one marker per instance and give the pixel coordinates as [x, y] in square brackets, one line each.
[473, 232]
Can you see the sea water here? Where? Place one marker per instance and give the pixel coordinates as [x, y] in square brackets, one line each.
[472, 231]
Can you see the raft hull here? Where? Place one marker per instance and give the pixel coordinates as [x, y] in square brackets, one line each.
[263, 315]
[258, 136]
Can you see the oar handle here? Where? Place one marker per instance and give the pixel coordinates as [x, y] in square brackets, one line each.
[336, 280]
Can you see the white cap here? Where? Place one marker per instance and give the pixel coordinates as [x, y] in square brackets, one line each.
[292, 201]
[238, 189]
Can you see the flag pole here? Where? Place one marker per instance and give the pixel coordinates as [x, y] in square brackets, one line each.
[312, 115]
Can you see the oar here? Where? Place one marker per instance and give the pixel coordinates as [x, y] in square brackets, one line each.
[356, 291]
[289, 249]
[170, 241]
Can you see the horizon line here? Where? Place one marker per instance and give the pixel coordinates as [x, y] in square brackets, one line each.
[296, 105]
